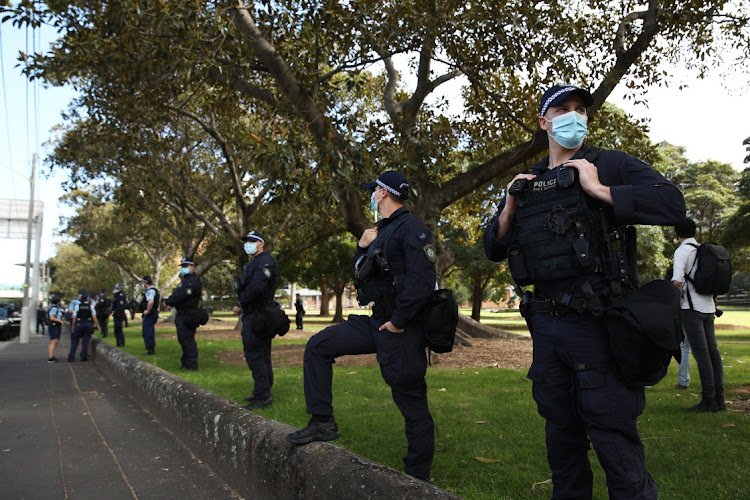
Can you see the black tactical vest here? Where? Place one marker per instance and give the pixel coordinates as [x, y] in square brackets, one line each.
[84, 312]
[560, 233]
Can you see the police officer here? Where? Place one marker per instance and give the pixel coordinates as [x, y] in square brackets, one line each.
[55, 316]
[103, 309]
[150, 308]
[561, 227]
[83, 324]
[394, 268]
[300, 308]
[257, 287]
[119, 306]
[185, 298]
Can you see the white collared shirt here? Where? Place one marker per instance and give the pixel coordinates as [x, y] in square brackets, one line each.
[685, 265]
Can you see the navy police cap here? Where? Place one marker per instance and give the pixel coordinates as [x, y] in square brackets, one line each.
[253, 236]
[186, 262]
[394, 182]
[558, 93]
[146, 279]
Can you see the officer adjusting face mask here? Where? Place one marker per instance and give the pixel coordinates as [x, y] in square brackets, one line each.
[251, 247]
[569, 129]
[374, 203]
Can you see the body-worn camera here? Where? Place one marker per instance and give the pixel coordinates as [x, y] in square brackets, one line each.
[566, 176]
[519, 187]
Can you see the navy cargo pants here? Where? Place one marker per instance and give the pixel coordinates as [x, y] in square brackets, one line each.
[186, 338]
[582, 403]
[257, 354]
[81, 333]
[403, 365]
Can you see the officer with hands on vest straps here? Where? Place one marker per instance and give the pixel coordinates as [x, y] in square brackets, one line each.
[185, 298]
[56, 322]
[119, 306]
[562, 229]
[103, 309]
[83, 324]
[150, 308]
[395, 270]
[257, 288]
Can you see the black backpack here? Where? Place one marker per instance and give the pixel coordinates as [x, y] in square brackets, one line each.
[440, 321]
[713, 269]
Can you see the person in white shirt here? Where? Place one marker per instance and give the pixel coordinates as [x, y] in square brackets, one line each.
[698, 314]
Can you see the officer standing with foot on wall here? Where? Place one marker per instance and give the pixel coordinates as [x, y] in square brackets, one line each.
[562, 229]
[150, 308]
[119, 306]
[185, 298]
[83, 324]
[394, 268]
[257, 288]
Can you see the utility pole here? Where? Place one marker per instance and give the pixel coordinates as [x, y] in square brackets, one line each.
[26, 313]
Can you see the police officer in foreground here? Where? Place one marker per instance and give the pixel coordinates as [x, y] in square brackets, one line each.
[103, 309]
[394, 268]
[257, 288]
[83, 324]
[150, 309]
[119, 306]
[562, 229]
[185, 298]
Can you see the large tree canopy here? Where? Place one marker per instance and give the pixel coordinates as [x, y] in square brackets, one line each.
[272, 111]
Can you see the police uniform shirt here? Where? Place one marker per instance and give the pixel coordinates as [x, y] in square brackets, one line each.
[102, 306]
[73, 306]
[410, 254]
[259, 281]
[685, 265]
[641, 195]
[187, 294]
[119, 302]
[55, 312]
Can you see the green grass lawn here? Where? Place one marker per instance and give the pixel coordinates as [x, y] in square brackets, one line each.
[490, 441]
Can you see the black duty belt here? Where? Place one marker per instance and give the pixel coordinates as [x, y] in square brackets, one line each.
[567, 304]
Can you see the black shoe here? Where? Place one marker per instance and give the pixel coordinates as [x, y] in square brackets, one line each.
[150, 352]
[71, 360]
[315, 431]
[52, 360]
[259, 403]
[188, 369]
[84, 359]
[721, 404]
[706, 405]
[120, 345]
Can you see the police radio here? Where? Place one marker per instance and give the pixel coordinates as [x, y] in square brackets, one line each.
[566, 176]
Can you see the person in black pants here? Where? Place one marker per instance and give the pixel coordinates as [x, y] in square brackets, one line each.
[84, 322]
[299, 306]
[185, 298]
[257, 288]
[119, 306]
[103, 309]
[394, 268]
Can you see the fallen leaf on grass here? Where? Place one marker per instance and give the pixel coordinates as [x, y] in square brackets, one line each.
[533, 486]
[480, 422]
[442, 389]
[487, 460]
[352, 373]
[729, 425]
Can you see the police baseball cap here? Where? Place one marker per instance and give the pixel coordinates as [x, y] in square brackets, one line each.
[186, 262]
[102, 291]
[55, 299]
[556, 94]
[253, 236]
[394, 182]
[81, 291]
[118, 286]
[146, 279]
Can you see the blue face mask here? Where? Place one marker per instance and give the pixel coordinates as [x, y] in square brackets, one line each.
[373, 203]
[184, 270]
[251, 247]
[568, 130]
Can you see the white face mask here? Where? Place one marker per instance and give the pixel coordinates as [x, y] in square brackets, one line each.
[251, 247]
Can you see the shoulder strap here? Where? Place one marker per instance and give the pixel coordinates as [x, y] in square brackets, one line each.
[688, 279]
[390, 229]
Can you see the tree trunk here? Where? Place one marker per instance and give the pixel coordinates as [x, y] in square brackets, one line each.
[324, 296]
[476, 298]
[339, 291]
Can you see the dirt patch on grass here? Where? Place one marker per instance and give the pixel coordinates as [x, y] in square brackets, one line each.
[485, 353]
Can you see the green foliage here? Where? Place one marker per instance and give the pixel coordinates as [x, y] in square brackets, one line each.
[72, 268]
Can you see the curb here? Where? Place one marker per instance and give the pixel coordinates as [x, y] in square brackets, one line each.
[248, 451]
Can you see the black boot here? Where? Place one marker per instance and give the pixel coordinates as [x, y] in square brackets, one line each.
[720, 402]
[706, 404]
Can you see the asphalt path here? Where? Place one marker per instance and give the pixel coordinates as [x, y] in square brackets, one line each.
[67, 431]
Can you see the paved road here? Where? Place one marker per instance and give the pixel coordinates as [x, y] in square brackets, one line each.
[66, 431]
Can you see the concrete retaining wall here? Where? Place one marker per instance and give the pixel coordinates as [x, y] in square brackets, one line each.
[248, 451]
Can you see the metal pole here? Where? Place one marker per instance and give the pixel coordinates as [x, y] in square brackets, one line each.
[34, 303]
[25, 313]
